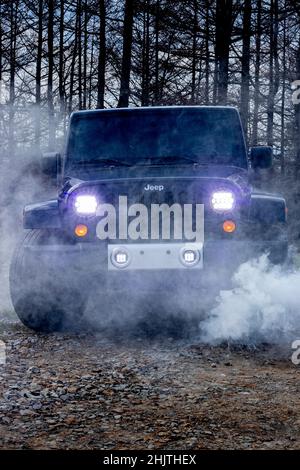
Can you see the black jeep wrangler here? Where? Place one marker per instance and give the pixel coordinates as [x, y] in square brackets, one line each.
[155, 201]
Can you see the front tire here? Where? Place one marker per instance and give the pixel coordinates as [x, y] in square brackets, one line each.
[41, 298]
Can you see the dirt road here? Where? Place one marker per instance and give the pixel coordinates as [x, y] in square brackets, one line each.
[105, 392]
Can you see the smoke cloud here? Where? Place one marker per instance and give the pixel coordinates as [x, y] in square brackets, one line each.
[21, 183]
[262, 306]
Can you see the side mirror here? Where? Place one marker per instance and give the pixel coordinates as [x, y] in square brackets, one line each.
[261, 158]
[51, 164]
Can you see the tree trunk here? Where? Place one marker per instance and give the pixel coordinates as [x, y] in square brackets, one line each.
[51, 143]
[156, 89]
[1, 47]
[91, 68]
[12, 92]
[274, 69]
[61, 85]
[207, 55]
[297, 117]
[244, 107]
[126, 56]
[254, 137]
[194, 51]
[73, 62]
[282, 130]
[85, 54]
[79, 53]
[102, 55]
[223, 41]
[38, 77]
[145, 64]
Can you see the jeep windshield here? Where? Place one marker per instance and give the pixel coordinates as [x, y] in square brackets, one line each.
[156, 136]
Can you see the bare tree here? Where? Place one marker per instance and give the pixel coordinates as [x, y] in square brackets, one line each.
[223, 39]
[12, 59]
[145, 56]
[157, 26]
[273, 69]
[102, 55]
[73, 60]
[1, 39]
[245, 83]
[194, 50]
[256, 97]
[126, 56]
[51, 142]
[283, 97]
[38, 76]
[207, 54]
[56, 57]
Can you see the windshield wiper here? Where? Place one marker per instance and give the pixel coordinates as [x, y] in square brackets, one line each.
[103, 161]
[169, 158]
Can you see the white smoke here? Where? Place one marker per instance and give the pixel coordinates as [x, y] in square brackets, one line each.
[20, 185]
[263, 305]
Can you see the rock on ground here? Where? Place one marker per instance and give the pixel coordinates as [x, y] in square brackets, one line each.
[108, 391]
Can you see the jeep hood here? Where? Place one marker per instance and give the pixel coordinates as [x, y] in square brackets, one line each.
[154, 173]
[191, 180]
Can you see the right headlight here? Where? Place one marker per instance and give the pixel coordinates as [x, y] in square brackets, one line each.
[223, 201]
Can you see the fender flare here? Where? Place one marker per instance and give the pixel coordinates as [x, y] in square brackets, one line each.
[42, 215]
[267, 209]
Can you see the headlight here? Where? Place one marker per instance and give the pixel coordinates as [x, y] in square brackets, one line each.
[86, 204]
[223, 201]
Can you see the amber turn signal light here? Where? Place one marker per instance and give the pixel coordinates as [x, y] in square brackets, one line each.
[229, 226]
[81, 230]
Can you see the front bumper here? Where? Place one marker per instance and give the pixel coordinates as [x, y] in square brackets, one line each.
[219, 260]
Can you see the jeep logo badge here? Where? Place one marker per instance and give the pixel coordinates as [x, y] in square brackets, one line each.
[154, 187]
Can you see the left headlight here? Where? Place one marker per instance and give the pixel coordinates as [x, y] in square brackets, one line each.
[223, 201]
[85, 204]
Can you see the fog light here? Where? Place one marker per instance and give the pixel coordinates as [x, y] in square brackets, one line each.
[81, 230]
[120, 257]
[189, 256]
[229, 226]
